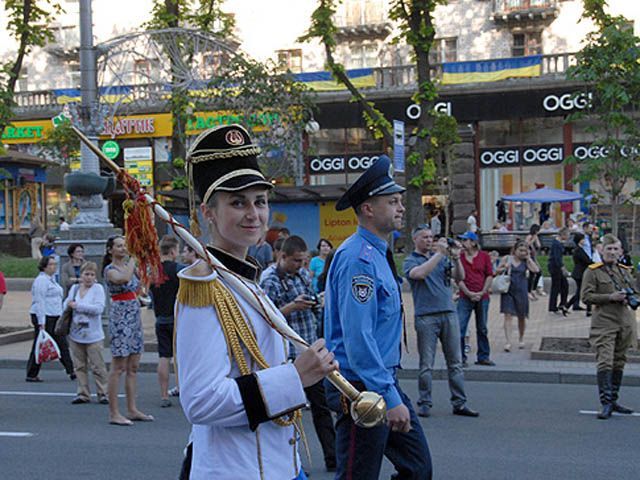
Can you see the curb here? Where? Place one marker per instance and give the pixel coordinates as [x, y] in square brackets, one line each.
[18, 284]
[14, 337]
[506, 376]
[572, 356]
[521, 376]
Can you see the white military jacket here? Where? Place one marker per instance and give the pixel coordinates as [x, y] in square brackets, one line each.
[233, 435]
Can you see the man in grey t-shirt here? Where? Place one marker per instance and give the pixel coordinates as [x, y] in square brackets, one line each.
[429, 274]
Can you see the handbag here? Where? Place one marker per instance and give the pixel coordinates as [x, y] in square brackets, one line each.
[63, 324]
[502, 282]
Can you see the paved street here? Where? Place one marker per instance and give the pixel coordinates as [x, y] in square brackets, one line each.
[525, 431]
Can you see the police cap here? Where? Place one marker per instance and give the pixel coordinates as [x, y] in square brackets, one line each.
[376, 180]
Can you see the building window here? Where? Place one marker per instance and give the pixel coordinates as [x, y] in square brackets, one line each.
[444, 50]
[362, 55]
[361, 12]
[141, 72]
[74, 74]
[290, 60]
[526, 44]
[23, 82]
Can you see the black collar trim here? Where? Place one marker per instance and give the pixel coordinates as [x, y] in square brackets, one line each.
[246, 268]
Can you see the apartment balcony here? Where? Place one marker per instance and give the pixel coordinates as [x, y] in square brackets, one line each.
[518, 12]
[363, 23]
[152, 97]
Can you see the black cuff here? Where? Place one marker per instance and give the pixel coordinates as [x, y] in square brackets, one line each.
[252, 399]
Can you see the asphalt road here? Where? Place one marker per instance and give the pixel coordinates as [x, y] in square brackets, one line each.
[525, 431]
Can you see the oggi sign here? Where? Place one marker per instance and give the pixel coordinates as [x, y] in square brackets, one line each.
[513, 156]
[336, 163]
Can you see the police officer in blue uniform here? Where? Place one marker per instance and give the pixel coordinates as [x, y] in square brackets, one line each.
[363, 327]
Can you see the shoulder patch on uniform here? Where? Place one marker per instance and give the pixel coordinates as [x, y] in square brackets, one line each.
[593, 266]
[626, 267]
[366, 252]
[362, 287]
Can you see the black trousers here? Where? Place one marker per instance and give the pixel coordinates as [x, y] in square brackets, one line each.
[559, 285]
[322, 421]
[533, 281]
[65, 358]
[575, 300]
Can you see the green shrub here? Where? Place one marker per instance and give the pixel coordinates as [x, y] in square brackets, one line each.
[14, 267]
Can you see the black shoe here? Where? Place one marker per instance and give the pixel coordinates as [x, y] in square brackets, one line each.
[424, 411]
[565, 311]
[72, 376]
[80, 400]
[588, 314]
[465, 411]
[578, 309]
[605, 413]
[330, 465]
[103, 400]
[33, 379]
[622, 409]
[486, 363]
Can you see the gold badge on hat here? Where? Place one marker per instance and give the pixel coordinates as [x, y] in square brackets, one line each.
[234, 137]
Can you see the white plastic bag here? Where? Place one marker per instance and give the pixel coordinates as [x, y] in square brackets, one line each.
[46, 348]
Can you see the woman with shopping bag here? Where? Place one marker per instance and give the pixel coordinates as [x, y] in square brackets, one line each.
[86, 301]
[46, 308]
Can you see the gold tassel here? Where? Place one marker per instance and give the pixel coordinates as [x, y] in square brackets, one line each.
[196, 294]
[194, 224]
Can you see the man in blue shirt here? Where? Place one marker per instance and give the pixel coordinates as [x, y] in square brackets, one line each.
[363, 327]
[430, 274]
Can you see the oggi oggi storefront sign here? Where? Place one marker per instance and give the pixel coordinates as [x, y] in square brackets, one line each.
[331, 164]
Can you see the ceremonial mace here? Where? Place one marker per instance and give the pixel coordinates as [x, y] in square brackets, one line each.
[368, 409]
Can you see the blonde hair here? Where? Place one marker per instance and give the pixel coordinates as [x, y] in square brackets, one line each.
[89, 266]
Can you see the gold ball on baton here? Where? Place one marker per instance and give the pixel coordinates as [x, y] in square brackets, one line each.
[368, 410]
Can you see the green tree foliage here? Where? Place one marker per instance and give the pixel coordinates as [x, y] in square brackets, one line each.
[28, 23]
[258, 95]
[608, 66]
[434, 134]
[61, 144]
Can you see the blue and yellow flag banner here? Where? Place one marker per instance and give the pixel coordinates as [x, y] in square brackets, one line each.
[491, 70]
[323, 81]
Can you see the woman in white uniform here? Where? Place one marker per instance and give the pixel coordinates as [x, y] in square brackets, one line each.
[236, 387]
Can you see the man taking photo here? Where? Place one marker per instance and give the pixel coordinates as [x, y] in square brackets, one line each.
[429, 269]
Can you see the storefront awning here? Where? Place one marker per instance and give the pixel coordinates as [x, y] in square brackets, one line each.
[544, 195]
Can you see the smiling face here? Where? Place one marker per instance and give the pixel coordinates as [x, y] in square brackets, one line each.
[325, 248]
[119, 248]
[78, 254]
[237, 219]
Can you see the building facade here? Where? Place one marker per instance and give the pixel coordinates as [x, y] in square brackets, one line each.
[515, 125]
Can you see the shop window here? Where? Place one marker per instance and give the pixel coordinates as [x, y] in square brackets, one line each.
[363, 55]
[529, 43]
[444, 50]
[290, 60]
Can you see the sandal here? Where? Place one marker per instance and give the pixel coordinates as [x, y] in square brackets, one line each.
[121, 423]
[141, 418]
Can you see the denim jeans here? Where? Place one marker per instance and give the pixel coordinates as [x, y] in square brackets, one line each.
[445, 327]
[481, 309]
[359, 450]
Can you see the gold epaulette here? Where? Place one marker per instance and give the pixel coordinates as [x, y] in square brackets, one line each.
[593, 266]
[626, 267]
[196, 293]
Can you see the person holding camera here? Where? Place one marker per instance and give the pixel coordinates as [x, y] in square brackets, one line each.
[608, 286]
[429, 274]
[288, 285]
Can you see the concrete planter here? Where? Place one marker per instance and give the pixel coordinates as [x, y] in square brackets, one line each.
[81, 183]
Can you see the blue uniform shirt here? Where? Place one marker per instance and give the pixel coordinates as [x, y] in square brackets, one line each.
[363, 314]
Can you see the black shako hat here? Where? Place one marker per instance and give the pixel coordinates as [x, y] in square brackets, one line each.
[376, 180]
[224, 158]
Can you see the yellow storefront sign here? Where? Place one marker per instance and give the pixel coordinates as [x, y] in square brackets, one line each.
[138, 126]
[31, 131]
[336, 226]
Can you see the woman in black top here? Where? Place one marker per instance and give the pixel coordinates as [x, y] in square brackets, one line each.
[558, 272]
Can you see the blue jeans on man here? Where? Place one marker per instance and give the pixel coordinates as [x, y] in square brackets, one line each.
[359, 451]
[431, 328]
[481, 310]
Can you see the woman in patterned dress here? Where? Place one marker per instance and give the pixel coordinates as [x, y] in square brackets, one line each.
[125, 330]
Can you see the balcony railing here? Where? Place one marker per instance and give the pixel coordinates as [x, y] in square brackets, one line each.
[386, 78]
[524, 10]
